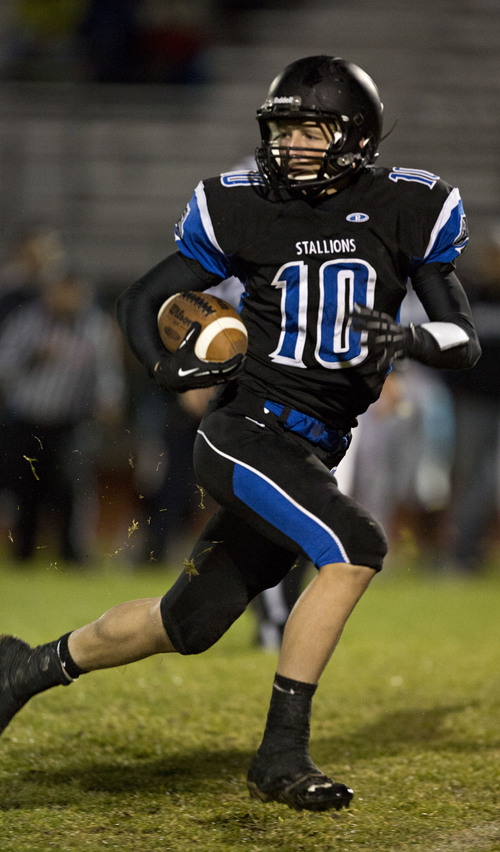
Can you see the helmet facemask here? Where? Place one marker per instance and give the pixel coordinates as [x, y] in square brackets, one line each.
[280, 163]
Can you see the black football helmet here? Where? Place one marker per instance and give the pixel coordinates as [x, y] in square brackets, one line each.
[333, 94]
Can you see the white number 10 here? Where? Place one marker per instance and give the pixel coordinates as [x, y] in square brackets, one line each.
[341, 284]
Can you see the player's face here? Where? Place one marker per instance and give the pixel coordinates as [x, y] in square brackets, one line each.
[299, 146]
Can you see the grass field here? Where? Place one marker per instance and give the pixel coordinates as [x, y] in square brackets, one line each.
[153, 756]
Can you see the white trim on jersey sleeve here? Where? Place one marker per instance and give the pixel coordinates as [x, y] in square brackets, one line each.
[446, 334]
[451, 202]
[201, 198]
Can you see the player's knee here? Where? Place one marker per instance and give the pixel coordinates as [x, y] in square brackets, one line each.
[368, 543]
[355, 575]
[376, 546]
[379, 544]
[195, 620]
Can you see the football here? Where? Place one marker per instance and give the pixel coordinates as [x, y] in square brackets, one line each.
[223, 333]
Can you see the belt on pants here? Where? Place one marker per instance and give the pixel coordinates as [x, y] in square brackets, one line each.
[330, 440]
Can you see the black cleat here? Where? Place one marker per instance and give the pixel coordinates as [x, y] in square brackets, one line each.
[309, 789]
[25, 671]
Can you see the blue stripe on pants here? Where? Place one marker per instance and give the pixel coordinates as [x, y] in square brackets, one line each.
[270, 502]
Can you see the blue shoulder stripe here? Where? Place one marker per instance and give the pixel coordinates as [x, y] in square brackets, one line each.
[195, 236]
[450, 235]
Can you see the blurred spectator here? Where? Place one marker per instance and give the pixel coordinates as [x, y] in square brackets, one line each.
[169, 501]
[387, 445]
[60, 376]
[147, 41]
[175, 38]
[123, 41]
[109, 40]
[431, 490]
[401, 459]
[33, 256]
[38, 42]
[476, 396]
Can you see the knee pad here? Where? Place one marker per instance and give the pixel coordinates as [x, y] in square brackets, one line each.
[201, 606]
[364, 539]
[229, 566]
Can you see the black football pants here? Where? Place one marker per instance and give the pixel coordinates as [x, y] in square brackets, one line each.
[278, 499]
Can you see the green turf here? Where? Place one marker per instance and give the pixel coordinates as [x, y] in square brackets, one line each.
[153, 756]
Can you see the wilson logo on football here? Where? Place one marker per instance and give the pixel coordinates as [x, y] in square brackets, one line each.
[222, 333]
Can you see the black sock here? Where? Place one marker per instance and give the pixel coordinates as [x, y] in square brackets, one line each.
[294, 687]
[36, 669]
[70, 668]
[288, 720]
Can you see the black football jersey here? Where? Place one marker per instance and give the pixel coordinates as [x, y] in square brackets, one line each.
[305, 265]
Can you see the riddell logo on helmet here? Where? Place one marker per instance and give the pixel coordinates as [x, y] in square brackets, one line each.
[292, 100]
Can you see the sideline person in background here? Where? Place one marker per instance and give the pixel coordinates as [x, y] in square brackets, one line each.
[324, 243]
[169, 504]
[34, 255]
[61, 375]
[476, 400]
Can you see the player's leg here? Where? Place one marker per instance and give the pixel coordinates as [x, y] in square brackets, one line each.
[283, 770]
[124, 634]
[229, 565]
[326, 603]
[286, 492]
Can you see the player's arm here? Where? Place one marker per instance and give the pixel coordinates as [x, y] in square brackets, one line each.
[137, 313]
[448, 341]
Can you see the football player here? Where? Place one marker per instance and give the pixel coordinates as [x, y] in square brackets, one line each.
[325, 244]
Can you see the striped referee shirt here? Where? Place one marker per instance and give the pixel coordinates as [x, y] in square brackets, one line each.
[59, 371]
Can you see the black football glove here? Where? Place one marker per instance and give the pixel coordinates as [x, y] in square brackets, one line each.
[182, 370]
[386, 339]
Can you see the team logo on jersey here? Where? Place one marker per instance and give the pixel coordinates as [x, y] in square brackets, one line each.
[357, 217]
